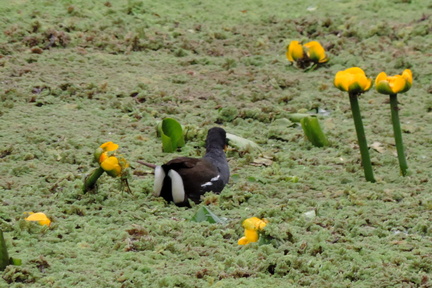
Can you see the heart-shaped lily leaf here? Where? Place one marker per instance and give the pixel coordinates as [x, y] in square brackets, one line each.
[172, 135]
[313, 131]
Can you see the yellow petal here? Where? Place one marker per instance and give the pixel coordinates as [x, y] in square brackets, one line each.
[342, 80]
[315, 52]
[111, 166]
[352, 80]
[109, 146]
[397, 83]
[39, 217]
[294, 51]
[251, 235]
[243, 241]
[103, 156]
[381, 76]
[254, 223]
[365, 83]
[407, 74]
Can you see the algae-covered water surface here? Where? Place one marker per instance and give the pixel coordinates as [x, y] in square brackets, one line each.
[75, 74]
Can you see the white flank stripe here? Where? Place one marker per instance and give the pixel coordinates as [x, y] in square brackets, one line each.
[178, 192]
[159, 178]
[215, 178]
[211, 181]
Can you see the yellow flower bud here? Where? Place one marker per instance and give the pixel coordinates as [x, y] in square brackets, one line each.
[111, 166]
[393, 84]
[315, 52]
[294, 51]
[352, 80]
[252, 226]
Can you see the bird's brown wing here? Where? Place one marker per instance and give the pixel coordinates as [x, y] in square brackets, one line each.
[194, 172]
[182, 162]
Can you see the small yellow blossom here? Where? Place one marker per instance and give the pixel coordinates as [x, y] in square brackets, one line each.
[352, 80]
[303, 55]
[39, 217]
[252, 227]
[393, 84]
[294, 51]
[315, 52]
[101, 153]
[108, 161]
[112, 166]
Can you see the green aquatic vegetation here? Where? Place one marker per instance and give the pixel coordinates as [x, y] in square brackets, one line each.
[120, 71]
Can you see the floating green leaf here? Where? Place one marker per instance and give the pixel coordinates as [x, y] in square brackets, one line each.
[204, 214]
[4, 257]
[171, 133]
[242, 144]
[313, 131]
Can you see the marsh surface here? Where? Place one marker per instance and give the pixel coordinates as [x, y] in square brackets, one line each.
[75, 74]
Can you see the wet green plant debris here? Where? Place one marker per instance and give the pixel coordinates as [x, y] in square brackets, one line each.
[76, 74]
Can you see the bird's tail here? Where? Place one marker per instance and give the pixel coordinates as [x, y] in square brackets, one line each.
[147, 164]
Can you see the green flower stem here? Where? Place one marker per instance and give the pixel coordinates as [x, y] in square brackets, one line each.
[4, 257]
[361, 137]
[398, 134]
[90, 180]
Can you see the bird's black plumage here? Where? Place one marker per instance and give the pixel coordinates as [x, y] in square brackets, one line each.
[186, 178]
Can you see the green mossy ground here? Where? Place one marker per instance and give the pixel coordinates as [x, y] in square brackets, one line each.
[75, 74]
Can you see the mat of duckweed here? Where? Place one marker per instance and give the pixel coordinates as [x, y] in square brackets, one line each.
[75, 74]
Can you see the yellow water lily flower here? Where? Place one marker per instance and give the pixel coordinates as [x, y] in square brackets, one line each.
[294, 51]
[101, 153]
[352, 80]
[111, 166]
[393, 84]
[252, 226]
[39, 217]
[315, 52]
[114, 166]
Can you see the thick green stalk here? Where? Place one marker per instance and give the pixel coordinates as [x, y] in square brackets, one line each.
[90, 180]
[4, 257]
[398, 134]
[361, 137]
